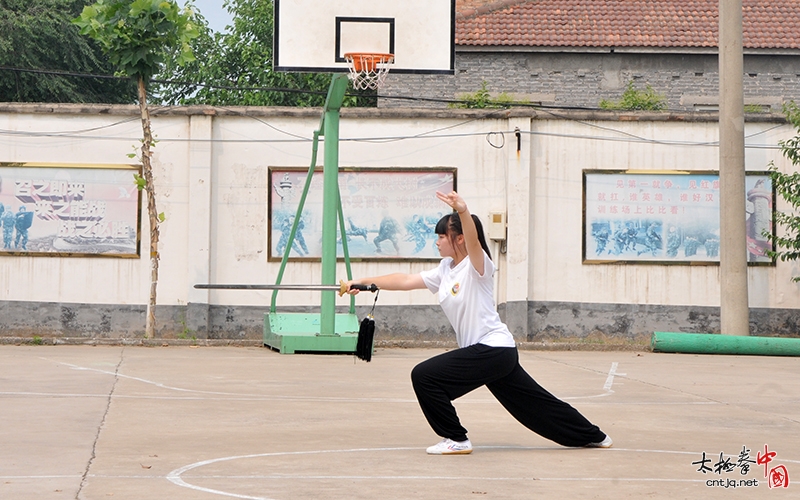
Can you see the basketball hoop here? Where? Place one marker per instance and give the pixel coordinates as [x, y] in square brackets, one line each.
[368, 70]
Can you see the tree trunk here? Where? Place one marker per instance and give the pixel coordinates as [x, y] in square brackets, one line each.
[147, 173]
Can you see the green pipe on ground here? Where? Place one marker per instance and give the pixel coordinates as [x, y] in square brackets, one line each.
[707, 343]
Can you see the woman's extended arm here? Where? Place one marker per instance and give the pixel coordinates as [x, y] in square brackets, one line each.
[395, 281]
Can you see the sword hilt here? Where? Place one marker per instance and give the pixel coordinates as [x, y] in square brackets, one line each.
[364, 288]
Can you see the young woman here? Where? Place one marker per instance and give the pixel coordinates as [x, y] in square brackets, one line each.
[487, 354]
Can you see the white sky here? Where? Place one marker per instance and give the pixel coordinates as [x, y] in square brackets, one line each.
[216, 15]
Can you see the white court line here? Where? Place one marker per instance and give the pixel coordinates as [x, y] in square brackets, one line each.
[323, 400]
[610, 378]
[176, 476]
[145, 381]
[320, 399]
[606, 388]
[232, 396]
[52, 476]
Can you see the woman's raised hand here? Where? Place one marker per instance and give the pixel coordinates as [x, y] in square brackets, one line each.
[454, 200]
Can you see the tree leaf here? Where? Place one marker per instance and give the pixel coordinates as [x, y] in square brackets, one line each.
[139, 181]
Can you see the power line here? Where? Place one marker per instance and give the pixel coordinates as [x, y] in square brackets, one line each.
[284, 89]
[450, 102]
[552, 110]
[386, 139]
[62, 73]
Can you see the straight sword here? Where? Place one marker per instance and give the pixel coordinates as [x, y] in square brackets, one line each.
[341, 287]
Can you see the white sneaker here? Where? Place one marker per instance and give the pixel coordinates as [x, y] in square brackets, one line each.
[450, 447]
[606, 443]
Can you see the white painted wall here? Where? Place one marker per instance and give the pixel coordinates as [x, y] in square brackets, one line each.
[561, 149]
[211, 175]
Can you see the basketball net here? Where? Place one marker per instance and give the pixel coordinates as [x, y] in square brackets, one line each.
[368, 70]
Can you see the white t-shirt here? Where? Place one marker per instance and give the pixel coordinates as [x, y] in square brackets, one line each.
[467, 300]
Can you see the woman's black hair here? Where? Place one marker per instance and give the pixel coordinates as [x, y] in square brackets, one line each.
[450, 225]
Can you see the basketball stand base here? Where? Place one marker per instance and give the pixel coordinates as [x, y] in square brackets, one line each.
[290, 333]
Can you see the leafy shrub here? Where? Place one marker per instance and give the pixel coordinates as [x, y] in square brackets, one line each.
[634, 99]
[482, 99]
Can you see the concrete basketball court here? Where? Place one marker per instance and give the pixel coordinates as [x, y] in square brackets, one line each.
[206, 423]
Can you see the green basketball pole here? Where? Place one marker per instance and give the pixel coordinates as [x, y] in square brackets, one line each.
[330, 199]
[326, 331]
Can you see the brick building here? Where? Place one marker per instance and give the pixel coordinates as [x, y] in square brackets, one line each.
[573, 53]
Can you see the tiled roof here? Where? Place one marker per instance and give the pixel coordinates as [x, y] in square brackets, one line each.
[767, 24]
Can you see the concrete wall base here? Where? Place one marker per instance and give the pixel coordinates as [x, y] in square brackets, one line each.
[530, 322]
[564, 320]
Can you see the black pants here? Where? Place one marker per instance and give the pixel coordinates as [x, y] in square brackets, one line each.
[443, 378]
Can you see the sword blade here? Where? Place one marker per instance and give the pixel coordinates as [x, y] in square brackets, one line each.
[267, 287]
[341, 287]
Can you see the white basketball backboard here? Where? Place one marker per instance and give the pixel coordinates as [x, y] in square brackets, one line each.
[314, 35]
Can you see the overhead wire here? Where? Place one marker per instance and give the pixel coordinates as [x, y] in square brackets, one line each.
[297, 91]
[655, 141]
[63, 73]
[264, 122]
[552, 110]
[387, 139]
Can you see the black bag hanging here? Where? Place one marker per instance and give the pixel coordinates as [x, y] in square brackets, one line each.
[366, 334]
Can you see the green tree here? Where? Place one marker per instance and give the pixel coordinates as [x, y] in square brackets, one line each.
[788, 187]
[235, 67]
[134, 34]
[37, 35]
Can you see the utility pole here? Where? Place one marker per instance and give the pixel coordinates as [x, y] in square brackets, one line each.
[734, 306]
